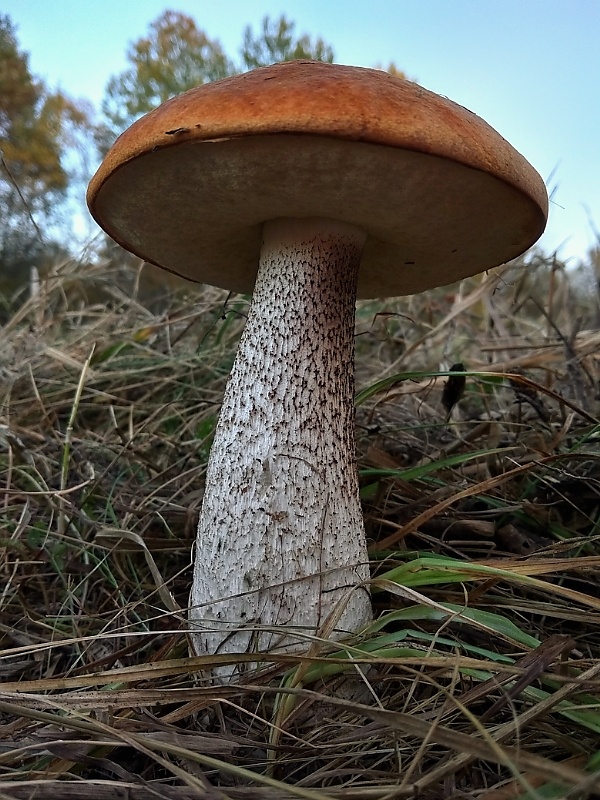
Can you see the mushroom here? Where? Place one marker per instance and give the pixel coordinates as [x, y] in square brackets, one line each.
[309, 184]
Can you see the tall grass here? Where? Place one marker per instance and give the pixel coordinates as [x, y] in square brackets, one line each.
[480, 676]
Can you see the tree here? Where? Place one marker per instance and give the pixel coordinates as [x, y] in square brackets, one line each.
[277, 43]
[36, 127]
[175, 56]
[393, 70]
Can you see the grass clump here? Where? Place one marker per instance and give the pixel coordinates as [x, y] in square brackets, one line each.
[478, 436]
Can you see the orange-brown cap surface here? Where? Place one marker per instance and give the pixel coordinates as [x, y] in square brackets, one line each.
[439, 192]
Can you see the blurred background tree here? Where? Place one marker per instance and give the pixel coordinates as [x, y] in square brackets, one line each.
[177, 55]
[277, 42]
[394, 70]
[40, 130]
[37, 128]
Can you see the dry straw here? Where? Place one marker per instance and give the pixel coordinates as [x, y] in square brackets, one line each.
[479, 677]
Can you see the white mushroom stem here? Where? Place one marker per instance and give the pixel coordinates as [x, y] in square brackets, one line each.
[281, 540]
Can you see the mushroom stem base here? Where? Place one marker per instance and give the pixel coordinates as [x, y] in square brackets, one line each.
[281, 552]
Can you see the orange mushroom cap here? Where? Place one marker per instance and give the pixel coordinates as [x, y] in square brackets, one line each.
[440, 194]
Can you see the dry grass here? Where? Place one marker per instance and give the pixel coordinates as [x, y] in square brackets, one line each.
[480, 677]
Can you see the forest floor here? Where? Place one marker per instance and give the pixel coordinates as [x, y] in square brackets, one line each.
[480, 677]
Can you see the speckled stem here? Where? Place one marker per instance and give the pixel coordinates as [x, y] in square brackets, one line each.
[281, 537]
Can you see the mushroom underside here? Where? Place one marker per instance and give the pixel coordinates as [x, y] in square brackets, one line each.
[197, 209]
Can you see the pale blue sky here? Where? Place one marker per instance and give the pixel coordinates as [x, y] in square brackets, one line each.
[531, 68]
